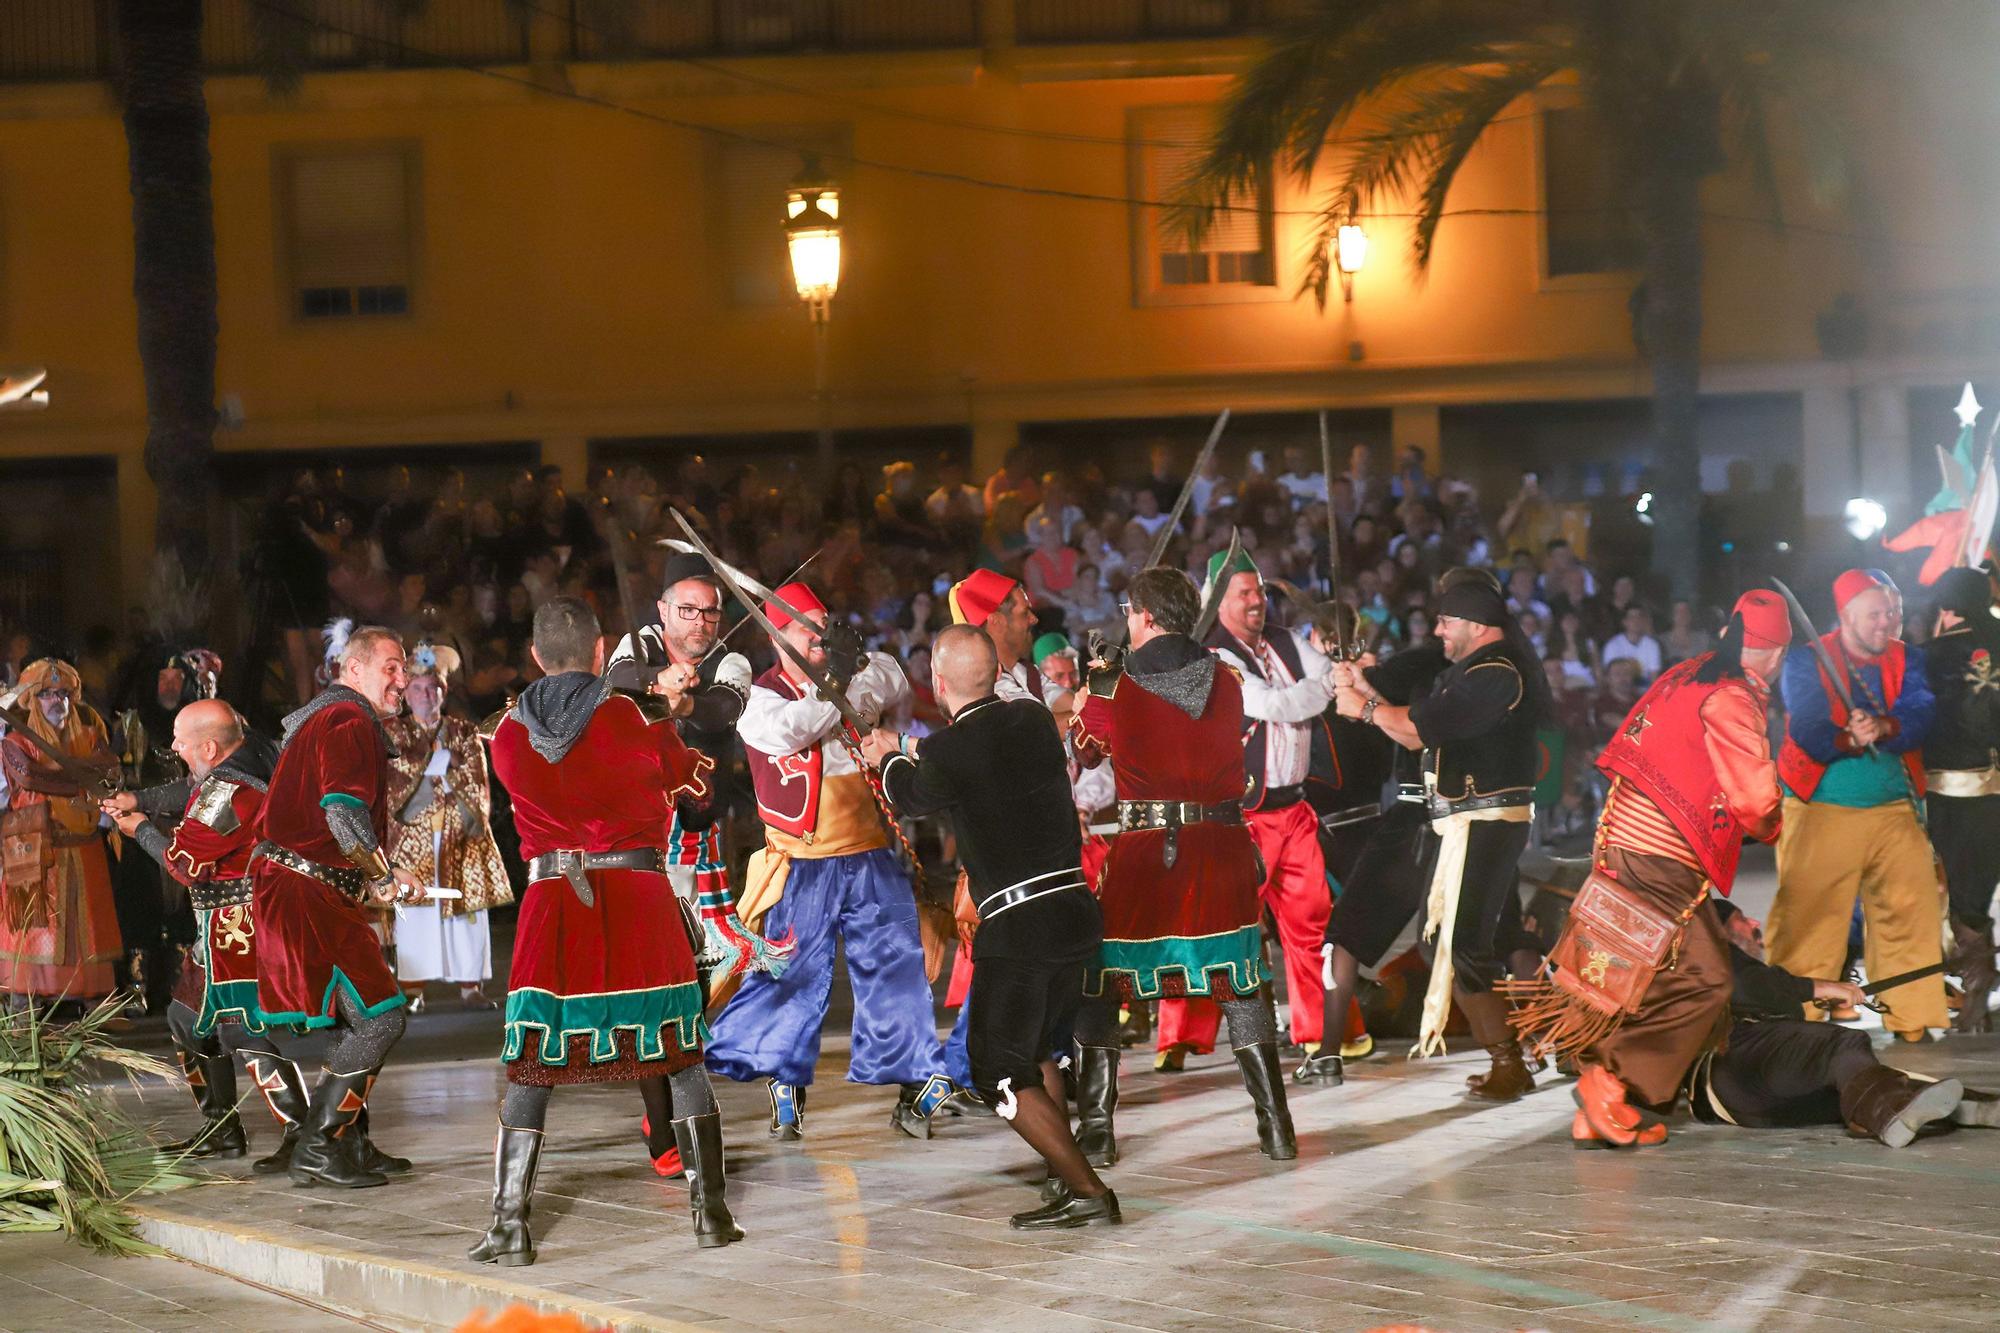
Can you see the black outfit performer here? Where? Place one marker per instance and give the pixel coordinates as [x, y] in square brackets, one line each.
[1777, 1069]
[1001, 770]
[1962, 768]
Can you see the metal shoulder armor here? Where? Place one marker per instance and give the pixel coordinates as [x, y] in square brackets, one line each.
[490, 726]
[215, 805]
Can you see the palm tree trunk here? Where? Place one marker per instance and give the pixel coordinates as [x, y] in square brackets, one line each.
[173, 259]
[1669, 221]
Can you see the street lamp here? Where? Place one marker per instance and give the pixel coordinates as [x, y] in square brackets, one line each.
[1864, 518]
[812, 238]
[1350, 254]
[812, 234]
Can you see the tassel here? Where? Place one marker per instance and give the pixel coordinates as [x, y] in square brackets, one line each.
[1554, 1023]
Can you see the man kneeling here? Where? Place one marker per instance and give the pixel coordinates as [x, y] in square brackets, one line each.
[999, 768]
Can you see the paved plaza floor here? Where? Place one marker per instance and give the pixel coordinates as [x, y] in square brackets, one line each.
[1407, 1204]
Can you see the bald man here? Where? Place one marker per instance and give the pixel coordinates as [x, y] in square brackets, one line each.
[214, 1012]
[1000, 769]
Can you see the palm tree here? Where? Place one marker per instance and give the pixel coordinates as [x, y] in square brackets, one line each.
[1679, 89]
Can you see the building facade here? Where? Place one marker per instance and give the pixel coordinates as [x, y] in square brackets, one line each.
[489, 225]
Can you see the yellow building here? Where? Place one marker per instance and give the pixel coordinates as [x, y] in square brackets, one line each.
[463, 230]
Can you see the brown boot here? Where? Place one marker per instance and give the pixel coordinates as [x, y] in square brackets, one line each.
[1508, 1080]
[1887, 1104]
[1972, 955]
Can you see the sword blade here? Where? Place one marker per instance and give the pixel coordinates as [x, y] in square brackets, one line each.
[1903, 979]
[1332, 532]
[1167, 529]
[1212, 595]
[1826, 662]
[819, 676]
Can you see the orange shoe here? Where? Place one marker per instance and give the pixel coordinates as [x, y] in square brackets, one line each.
[667, 1165]
[1581, 1135]
[1601, 1099]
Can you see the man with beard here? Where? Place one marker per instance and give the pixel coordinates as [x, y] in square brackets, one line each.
[1179, 888]
[319, 964]
[59, 929]
[1962, 772]
[999, 768]
[678, 659]
[214, 1014]
[603, 987]
[1477, 729]
[1853, 778]
[1287, 686]
[831, 878]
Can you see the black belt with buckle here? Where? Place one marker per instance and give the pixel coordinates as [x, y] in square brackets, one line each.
[571, 865]
[345, 879]
[1444, 809]
[212, 895]
[1134, 816]
[1277, 798]
[1055, 881]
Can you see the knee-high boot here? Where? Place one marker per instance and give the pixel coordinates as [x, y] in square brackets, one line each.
[700, 1141]
[507, 1242]
[1096, 1099]
[284, 1089]
[1264, 1076]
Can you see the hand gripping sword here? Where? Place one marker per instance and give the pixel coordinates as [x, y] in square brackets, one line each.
[1834, 674]
[853, 725]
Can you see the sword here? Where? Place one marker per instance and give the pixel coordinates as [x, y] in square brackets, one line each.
[96, 782]
[1332, 533]
[1167, 529]
[1903, 979]
[1834, 674]
[821, 678]
[1218, 587]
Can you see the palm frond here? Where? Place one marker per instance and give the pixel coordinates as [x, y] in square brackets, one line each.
[69, 1159]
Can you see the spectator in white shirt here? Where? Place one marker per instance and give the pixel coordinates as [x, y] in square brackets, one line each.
[1056, 504]
[1521, 598]
[1636, 643]
[1298, 481]
[1146, 512]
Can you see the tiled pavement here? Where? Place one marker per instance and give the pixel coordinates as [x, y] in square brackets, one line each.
[1407, 1204]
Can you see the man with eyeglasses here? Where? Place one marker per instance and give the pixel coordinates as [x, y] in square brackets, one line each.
[679, 659]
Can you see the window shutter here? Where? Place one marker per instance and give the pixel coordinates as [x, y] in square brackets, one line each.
[350, 219]
[1177, 140]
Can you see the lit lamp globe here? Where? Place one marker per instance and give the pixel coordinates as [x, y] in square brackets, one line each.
[1350, 254]
[812, 234]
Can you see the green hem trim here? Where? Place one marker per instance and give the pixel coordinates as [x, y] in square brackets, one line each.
[333, 798]
[1240, 953]
[325, 1017]
[646, 1014]
[230, 1000]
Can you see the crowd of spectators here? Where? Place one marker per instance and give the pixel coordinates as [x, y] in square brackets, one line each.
[468, 565]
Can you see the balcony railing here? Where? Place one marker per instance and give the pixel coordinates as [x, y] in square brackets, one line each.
[1050, 21]
[77, 39]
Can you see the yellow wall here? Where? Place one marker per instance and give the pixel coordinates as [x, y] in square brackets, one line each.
[567, 286]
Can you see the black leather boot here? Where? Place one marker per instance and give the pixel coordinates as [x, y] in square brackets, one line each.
[371, 1157]
[1067, 1210]
[284, 1092]
[1265, 1078]
[1096, 1099]
[328, 1150]
[700, 1140]
[1887, 1104]
[507, 1242]
[212, 1080]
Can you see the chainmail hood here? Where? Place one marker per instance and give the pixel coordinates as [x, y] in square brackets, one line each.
[556, 709]
[327, 698]
[1175, 668]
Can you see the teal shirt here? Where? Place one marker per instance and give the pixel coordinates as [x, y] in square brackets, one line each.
[1862, 781]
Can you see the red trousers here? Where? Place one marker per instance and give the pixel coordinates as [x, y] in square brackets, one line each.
[1296, 892]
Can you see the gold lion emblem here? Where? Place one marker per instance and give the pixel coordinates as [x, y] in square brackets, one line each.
[233, 929]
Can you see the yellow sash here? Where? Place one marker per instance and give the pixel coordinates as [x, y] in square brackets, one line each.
[848, 823]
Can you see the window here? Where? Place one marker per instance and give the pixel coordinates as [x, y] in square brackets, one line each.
[1588, 227]
[1234, 259]
[751, 179]
[349, 229]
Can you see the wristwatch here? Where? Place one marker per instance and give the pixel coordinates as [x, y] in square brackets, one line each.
[1368, 711]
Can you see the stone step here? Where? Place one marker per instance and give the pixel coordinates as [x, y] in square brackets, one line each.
[402, 1293]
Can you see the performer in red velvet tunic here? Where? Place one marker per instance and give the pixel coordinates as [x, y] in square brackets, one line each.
[214, 1013]
[1179, 889]
[318, 961]
[603, 986]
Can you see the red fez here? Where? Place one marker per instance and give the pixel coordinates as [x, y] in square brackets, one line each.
[1855, 582]
[1767, 623]
[978, 595]
[797, 596]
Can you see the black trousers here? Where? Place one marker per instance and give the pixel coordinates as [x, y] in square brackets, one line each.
[1782, 1071]
[1965, 830]
[1386, 883]
[1489, 904]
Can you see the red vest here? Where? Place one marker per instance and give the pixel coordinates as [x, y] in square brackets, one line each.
[1800, 770]
[787, 785]
[1661, 750]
